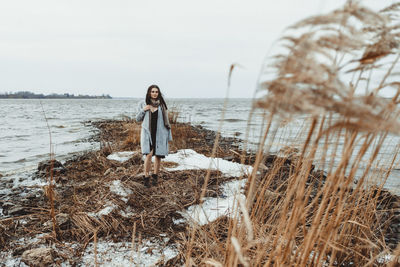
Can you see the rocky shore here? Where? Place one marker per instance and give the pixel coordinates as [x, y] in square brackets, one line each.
[97, 198]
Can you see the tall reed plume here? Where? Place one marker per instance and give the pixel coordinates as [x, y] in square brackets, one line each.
[333, 71]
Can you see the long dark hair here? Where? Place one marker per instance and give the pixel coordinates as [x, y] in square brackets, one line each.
[160, 96]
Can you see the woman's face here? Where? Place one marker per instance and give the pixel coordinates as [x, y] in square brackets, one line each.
[154, 93]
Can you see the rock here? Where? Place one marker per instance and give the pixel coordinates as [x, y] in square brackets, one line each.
[61, 218]
[46, 165]
[44, 168]
[230, 158]
[1, 175]
[17, 211]
[32, 196]
[38, 257]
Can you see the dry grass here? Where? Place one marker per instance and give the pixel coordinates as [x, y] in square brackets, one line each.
[183, 136]
[133, 136]
[82, 195]
[296, 216]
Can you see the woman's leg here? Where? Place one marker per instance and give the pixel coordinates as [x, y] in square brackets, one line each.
[147, 164]
[157, 164]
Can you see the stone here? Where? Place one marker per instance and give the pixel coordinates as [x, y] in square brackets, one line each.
[38, 257]
[44, 168]
[61, 218]
[17, 211]
[32, 196]
[230, 158]
[46, 165]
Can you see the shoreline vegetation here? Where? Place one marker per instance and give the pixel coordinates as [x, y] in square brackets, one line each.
[82, 191]
[99, 201]
[31, 95]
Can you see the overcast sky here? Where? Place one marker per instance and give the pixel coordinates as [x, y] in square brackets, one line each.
[120, 47]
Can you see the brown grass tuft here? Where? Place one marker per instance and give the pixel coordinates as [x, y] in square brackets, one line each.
[133, 136]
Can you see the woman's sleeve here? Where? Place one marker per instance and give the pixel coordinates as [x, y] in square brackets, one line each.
[140, 113]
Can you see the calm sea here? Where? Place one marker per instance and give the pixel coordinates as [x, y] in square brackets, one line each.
[24, 135]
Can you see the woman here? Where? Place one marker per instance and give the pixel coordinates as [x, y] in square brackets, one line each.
[155, 133]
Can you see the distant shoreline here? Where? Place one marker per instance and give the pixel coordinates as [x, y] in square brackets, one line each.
[30, 95]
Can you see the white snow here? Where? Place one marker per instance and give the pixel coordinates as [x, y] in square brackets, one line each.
[121, 156]
[178, 221]
[7, 259]
[127, 213]
[117, 188]
[122, 254]
[104, 211]
[189, 159]
[385, 258]
[212, 208]
[25, 180]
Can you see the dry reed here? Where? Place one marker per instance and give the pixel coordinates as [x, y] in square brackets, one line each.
[49, 188]
[334, 69]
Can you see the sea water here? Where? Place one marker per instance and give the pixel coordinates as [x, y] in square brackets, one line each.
[29, 126]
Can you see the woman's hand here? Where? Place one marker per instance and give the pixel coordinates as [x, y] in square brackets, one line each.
[147, 107]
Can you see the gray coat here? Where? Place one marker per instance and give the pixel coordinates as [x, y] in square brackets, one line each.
[163, 135]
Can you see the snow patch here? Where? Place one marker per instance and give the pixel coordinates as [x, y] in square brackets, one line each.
[189, 159]
[105, 211]
[127, 213]
[7, 259]
[385, 258]
[121, 156]
[178, 221]
[117, 188]
[213, 208]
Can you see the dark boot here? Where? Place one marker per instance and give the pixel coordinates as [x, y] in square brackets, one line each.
[146, 181]
[154, 179]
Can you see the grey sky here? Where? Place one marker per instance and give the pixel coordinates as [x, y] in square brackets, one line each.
[120, 47]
